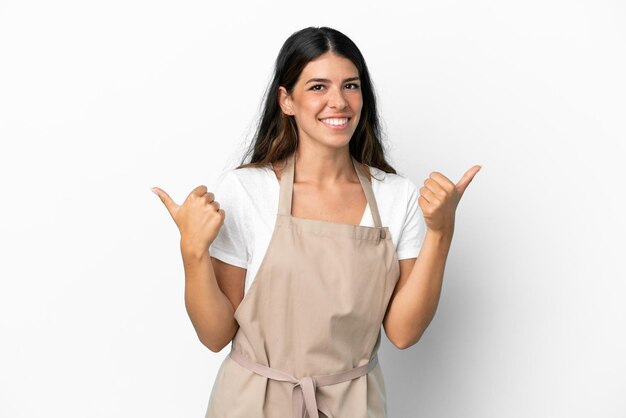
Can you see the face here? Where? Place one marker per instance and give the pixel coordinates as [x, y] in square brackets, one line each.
[326, 101]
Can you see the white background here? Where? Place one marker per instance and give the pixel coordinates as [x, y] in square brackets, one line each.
[99, 101]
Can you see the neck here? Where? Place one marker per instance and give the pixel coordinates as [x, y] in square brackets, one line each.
[324, 167]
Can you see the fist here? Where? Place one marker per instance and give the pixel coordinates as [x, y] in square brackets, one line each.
[198, 219]
[439, 198]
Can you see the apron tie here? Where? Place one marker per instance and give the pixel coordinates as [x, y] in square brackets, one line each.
[304, 390]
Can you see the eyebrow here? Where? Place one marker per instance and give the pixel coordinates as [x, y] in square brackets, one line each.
[325, 80]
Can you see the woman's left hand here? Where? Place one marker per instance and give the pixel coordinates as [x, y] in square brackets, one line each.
[439, 198]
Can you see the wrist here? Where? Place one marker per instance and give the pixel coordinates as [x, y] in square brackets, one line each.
[192, 250]
[441, 234]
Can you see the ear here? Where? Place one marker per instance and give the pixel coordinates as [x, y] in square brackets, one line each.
[284, 101]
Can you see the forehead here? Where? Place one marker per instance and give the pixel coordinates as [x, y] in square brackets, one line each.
[330, 66]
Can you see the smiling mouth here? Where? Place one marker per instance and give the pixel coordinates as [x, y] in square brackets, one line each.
[335, 123]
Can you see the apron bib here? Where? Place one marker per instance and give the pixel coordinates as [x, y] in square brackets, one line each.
[310, 323]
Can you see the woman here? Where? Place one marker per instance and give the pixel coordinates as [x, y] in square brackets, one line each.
[321, 236]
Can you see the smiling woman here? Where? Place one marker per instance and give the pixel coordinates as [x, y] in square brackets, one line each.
[320, 135]
[303, 253]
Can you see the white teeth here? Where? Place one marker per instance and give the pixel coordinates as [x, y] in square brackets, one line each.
[336, 121]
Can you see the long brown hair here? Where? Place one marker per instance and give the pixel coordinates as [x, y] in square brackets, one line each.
[276, 135]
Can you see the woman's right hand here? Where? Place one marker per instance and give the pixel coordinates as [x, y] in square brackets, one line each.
[198, 219]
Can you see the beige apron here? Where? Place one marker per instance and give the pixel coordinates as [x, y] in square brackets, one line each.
[310, 323]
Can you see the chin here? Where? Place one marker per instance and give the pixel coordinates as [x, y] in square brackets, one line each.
[337, 142]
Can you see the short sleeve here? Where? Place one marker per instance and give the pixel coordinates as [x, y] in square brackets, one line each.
[414, 227]
[231, 243]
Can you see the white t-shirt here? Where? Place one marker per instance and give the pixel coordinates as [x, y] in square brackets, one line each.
[249, 197]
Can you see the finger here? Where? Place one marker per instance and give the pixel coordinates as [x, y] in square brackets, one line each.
[216, 205]
[167, 200]
[423, 203]
[428, 195]
[209, 197]
[435, 187]
[443, 181]
[467, 178]
[200, 190]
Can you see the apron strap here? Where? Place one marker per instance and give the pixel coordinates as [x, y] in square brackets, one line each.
[369, 192]
[286, 189]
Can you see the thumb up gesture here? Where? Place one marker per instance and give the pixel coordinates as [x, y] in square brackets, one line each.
[439, 198]
[198, 219]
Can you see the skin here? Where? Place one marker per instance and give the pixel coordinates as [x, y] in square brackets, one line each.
[416, 295]
[326, 187]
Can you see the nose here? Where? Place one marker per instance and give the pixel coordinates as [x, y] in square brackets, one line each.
[336, 99]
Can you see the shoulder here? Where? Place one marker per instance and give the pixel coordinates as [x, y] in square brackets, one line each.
[242, 179]
[390, 183]
[396, 195]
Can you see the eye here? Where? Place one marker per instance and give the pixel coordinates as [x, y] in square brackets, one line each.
[314, 87]
[356, 86]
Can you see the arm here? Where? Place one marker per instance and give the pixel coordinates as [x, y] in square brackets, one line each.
[210, 307]
[213, 289]
[415, 298]
[416, 295]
